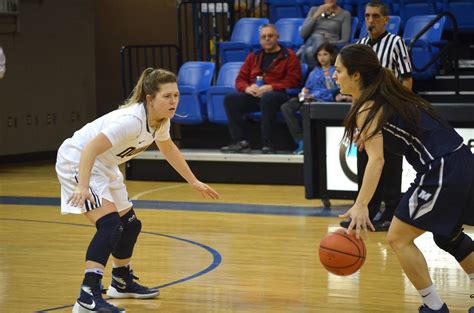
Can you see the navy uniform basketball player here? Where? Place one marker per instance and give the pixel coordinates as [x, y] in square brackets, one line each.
[92, 185]
[440, 200]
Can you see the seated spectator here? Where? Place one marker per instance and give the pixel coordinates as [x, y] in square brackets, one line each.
[2, 63]
[320, 86]
[325, 23]
[279, 69]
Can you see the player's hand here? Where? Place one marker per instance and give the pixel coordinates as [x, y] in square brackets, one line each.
[205, 190]
[359, 219]
[79, 197]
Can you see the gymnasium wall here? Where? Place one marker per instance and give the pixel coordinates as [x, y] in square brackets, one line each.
[127, 22]
[63, 66]
[49, 87]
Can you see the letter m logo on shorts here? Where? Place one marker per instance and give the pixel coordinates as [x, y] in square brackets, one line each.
[424, 195]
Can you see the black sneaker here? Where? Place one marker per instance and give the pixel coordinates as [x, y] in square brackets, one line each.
[381, 225]
[425, 309]
[268, 150]
[242, 146]
[126, 287]
[90, 300]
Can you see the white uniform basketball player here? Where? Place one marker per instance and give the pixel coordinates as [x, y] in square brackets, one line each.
[92, 184]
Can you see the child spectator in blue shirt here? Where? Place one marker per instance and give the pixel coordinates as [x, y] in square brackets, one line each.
[320, 86]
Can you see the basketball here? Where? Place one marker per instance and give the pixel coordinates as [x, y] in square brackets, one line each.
[342, 254]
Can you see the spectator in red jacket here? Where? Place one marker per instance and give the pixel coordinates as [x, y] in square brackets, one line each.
[280, 69]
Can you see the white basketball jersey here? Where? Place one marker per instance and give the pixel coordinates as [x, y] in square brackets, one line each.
[126, 128]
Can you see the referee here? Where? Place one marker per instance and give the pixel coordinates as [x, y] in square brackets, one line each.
[393, 54]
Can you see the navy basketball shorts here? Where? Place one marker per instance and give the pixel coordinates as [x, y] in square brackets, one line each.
[440, 200]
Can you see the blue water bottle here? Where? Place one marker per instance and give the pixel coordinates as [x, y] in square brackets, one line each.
[259, 81]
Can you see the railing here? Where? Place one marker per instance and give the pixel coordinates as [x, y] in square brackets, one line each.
[9, 16]
[135, 58]
[450, 45]
[202, 24]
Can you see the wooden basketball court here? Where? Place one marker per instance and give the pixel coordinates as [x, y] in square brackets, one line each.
[254, 250]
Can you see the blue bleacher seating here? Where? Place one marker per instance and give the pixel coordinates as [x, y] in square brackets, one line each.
[194, 79]
[409, 8]
[289, 30]
[286, 9]
[427, 46]
[244, 39]
[463, 10]
[215, 95]
[354, 23]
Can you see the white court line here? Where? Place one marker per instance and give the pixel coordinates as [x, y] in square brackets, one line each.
[138, 195]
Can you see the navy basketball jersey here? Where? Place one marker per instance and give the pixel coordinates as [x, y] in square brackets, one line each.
[434, 140]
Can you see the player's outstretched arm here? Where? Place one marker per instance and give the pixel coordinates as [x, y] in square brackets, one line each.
[176, 160]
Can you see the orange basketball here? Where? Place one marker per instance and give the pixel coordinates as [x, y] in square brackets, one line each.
[342, 254]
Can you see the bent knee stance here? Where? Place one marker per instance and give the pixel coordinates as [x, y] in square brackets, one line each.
[460, 246]
[132, 227]
[109, 231]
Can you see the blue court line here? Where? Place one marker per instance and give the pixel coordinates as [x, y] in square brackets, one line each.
[216, 257]
[196, 206]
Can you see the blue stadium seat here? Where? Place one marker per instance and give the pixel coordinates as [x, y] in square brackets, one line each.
[425, 48]
[244, 39]
[463, 10]
[354, 23]
[409, 8]
[194, 79]
[215, 95]
[289, 30]
[393, 26]
[286, 9]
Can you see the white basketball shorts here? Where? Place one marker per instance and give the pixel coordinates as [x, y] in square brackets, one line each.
[104, 184]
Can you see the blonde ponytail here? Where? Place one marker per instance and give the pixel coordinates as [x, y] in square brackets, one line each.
[149, 83]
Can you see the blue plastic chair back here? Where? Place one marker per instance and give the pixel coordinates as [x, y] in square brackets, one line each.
[289, 31]
[463, 10]
[194, 79]
[409, 8]
[416, 23]
[247, 30]
[197, 74]
[425, 50]
[286, 9]
[228, 73]
[215, 95]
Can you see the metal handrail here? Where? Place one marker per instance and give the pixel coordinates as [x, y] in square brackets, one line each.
[453, 43]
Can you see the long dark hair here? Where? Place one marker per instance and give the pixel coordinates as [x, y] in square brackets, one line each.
[378, 84]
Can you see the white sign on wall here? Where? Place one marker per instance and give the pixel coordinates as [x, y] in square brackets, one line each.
[341, 162]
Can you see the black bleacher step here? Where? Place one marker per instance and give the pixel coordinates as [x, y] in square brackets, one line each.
[448, 96]
[446, 83]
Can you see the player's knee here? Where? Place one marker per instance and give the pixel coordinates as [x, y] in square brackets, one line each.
[109, 230]
[110, 227]
[460, 246]
[132, 228]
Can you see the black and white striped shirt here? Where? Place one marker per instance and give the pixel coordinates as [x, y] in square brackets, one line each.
[392, 53]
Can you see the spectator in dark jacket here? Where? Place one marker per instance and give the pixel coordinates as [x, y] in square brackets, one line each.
[279, 69]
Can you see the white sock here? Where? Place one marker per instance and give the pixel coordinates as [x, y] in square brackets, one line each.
[98, 271]
[431, 298]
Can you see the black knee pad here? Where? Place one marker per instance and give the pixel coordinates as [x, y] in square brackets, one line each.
[131, 229]
[109, 231]
[460, 246]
